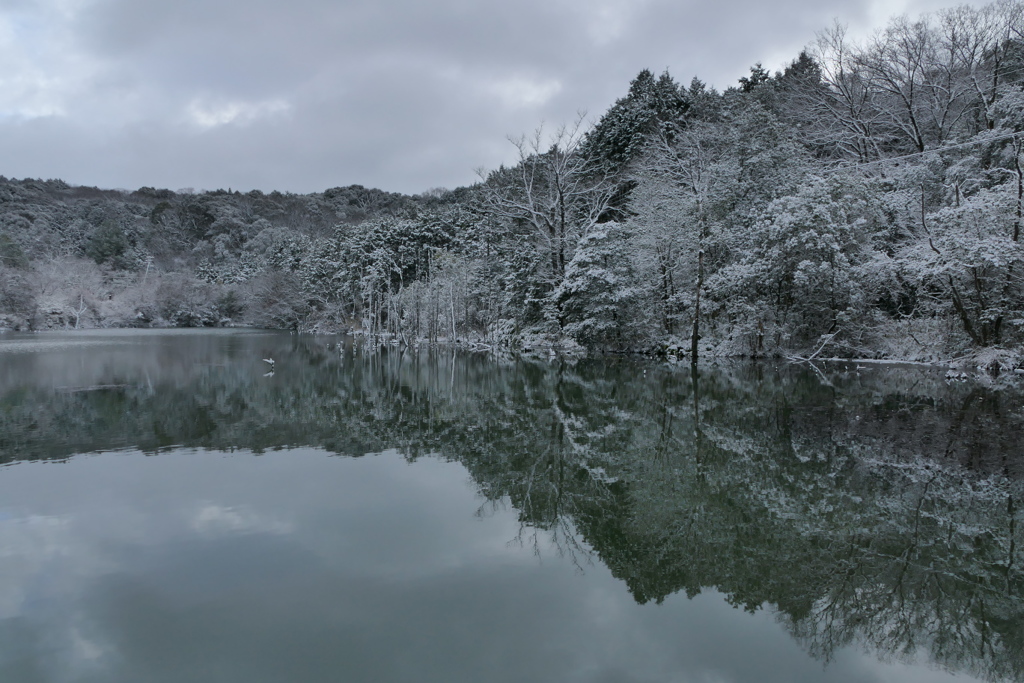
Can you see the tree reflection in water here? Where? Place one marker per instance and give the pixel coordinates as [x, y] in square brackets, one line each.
[878, 507]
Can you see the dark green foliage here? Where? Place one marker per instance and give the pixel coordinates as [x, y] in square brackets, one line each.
[758, 76]
[11, 253]
[17, 304]
[705, 104]
[229, 304]
[151, 193]
[651, 106]
[157, 212]
[802, 72]
[356, 203]
[107, 243]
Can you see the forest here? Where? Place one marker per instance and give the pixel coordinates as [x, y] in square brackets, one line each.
[864, 202]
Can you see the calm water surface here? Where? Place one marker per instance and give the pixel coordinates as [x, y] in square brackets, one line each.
[172, 511]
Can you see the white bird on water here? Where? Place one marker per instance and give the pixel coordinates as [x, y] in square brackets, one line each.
[269, 361]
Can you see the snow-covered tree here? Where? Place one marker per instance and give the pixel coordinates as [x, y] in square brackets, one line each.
[599, 295]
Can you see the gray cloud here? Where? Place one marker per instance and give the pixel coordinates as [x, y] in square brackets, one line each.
[310, 94]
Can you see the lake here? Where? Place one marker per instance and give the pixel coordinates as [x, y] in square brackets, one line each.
[175, 508]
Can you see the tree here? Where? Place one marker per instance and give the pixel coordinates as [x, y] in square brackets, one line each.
[679, 181]
[598, 296]
[699, 193]
[652, 106]
[17, 304]
[843, 112]
[919, 80]
[558, 194]
[758, 76]
[970, 262]
[985, 42]
[806, 262]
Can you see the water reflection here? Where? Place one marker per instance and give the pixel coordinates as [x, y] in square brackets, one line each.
[865, 508]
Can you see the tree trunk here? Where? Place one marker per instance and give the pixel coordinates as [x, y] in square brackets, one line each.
[696, 308]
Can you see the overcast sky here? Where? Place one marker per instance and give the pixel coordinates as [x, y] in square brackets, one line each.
[304, 95]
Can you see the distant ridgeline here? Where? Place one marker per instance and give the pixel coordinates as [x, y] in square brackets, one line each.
[769, 485]
[866, 201]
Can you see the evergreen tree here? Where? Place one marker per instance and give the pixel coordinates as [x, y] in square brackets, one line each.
[621, 134]
[598, 295]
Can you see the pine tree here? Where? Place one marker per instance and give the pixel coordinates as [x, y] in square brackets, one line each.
[621, 134]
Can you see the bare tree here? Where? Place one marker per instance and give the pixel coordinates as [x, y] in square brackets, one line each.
[670, 209]
[555, 191]
[914, 85]
[843, 108]
[981, 40]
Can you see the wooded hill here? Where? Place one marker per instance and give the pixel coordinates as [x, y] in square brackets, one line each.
[866, 201]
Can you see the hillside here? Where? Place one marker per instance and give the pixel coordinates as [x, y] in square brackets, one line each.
[866, 201]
